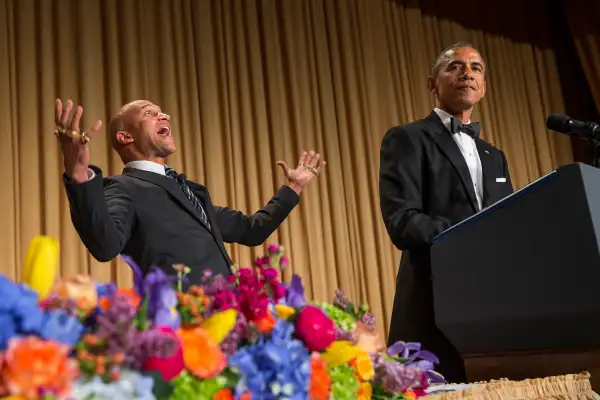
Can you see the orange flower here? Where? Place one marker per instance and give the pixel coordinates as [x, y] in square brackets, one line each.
[132, 297]
[33, 364]
[246, 396]
[410, 395]
[201, 356]
[265, 324]
[365, 391]
[224, 394]
[319, 378]
[364, 367]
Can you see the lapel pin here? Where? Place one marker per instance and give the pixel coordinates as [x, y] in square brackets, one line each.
[487, 152]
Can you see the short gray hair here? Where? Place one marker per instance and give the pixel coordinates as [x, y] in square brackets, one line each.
[443, 56]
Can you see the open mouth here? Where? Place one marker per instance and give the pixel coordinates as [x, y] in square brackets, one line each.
[164, 131]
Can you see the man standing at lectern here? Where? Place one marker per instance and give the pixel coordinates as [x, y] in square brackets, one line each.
[151, 213]
[434, 173]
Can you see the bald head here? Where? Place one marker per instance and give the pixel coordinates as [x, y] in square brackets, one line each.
[141, 131]
[118, 121]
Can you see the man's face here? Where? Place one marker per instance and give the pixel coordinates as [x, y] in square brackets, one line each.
[150, 129]
[460, 82]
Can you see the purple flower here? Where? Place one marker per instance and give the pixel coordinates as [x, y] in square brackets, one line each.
[412, 356]
[394, 376]
[166, 314]
[341, 300]
[295, 293]
[156, 288]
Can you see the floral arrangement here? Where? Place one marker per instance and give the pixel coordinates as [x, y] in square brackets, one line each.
[246, 336]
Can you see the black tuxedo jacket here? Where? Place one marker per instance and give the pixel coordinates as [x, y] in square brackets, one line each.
[148, 217]
[425, 187]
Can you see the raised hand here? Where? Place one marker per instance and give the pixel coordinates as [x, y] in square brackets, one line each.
[74, 144]
[308, 168]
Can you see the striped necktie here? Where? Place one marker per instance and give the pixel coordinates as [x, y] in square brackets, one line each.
[185, 188]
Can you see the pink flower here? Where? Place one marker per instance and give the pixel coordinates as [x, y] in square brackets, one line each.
[315, 328]
[168, 367]
[284, 263]
[273, 249]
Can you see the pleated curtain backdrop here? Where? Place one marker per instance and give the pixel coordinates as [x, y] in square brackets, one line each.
[248, 83]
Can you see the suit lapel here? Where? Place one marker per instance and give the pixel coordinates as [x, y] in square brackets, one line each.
[171, 186]
[443, 139]
[487, 167]
[202, 192]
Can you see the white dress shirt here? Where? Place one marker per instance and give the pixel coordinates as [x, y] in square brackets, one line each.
[146, 165]
[143, 165]
[467, 147]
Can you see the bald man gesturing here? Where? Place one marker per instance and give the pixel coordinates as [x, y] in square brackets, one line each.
[151, 213]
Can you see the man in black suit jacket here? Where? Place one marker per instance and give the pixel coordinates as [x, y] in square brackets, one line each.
[434, 173]
[151, 213]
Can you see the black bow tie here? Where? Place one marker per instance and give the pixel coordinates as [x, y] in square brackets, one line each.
[471, 129]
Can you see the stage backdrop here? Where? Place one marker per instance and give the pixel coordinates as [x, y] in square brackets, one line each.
[248, 83]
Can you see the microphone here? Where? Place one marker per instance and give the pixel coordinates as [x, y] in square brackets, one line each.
[565, 124]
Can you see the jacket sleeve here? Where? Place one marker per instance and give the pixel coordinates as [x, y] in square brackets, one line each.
[400, 191]
[255, 229]
[102, 212]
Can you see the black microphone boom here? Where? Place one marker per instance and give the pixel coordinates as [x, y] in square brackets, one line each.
[565, 124]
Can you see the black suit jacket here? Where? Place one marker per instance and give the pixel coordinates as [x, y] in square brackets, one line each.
[425, 187]
[148, 217]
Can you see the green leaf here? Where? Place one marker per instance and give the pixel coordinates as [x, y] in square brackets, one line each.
[161, 388]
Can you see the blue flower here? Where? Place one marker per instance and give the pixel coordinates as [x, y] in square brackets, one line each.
[9, 293]
[274, 368]
[60, 326]
[8, 331]
[105, 289]
[19, 311]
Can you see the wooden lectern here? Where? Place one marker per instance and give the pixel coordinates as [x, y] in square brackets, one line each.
[516, 285]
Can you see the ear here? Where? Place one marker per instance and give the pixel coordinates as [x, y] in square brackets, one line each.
[124, 137]
[431, 84]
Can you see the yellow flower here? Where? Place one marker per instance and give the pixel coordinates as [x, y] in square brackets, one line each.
[364, 367]
[340, 352]
[41, 263]
[284, 312]
[220, 324]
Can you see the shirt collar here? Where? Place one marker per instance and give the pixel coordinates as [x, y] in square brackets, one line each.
[146, 165]
[445, 117]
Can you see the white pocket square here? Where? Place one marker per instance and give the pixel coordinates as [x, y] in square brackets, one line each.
[501, 180]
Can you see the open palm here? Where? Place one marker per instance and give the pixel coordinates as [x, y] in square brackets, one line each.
[309, 166]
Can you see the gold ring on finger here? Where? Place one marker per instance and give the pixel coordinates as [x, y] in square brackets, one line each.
[85, 138]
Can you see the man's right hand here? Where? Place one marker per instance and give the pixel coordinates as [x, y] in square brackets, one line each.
[74, 144]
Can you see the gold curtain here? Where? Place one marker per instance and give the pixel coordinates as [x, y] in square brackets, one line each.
[248, 82]
[584, 20]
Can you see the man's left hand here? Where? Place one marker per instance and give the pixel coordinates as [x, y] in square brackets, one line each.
[309, 166]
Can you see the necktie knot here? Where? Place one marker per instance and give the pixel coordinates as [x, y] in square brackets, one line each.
[471, 129]
[170, 172]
